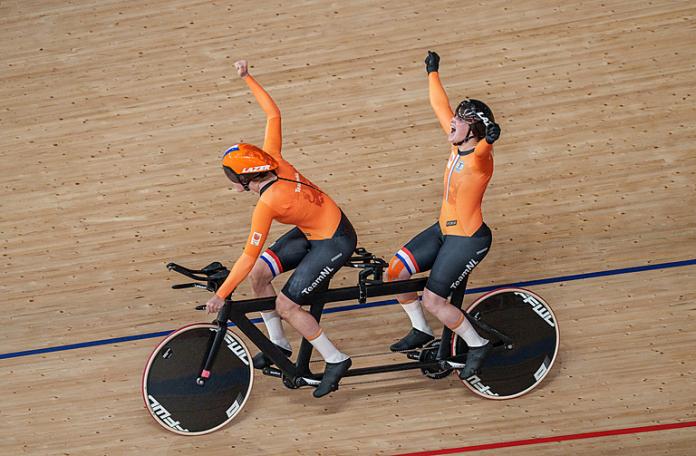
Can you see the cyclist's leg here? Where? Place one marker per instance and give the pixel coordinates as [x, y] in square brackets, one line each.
[457, 258]
[323, 260]
[313, 273]
[283, 255]
[416, 256]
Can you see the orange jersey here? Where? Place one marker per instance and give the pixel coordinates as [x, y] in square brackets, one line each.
[295, 201]
[466, 175]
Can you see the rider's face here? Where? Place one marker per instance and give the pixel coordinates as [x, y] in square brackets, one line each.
[255, 186]
[234, 180]
[459, 130]
[237, 187]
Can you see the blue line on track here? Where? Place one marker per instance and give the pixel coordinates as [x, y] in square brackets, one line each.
[528, 283]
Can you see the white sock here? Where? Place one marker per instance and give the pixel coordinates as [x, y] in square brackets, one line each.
[275, 329]
[327, 349]
[469, 334]
[415, 313]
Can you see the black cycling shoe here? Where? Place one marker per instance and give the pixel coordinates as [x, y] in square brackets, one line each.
[414, 339]
[474, 360]
[260, 360]
[333, 372]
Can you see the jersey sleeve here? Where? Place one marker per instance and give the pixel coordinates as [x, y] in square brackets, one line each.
[439, 101]
[260, 225]
[272, 142]
[483, 149]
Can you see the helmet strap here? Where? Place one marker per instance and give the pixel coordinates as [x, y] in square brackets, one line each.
[466, 138]
[469, 134]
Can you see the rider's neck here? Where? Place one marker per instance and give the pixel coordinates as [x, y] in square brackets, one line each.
[467, 145]
[264, 183]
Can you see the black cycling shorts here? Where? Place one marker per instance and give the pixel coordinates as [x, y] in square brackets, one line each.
[314, 262]
[450, 258]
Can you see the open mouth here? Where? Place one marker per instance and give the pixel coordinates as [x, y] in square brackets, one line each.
[452, 134]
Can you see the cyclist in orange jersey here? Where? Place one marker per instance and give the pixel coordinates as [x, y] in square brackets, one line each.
[321, 242]
[452, 247]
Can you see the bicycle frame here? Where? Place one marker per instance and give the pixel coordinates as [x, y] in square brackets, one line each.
[520, 362]
[520, 325]
[299, 373]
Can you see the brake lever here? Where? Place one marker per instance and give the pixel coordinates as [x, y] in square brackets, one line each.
[212, 268]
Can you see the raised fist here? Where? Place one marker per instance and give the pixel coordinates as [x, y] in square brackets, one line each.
[492, 132]
[242, 68]
[432, 62]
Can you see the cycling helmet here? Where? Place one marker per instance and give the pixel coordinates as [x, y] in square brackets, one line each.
[243, 163]
[477, 114]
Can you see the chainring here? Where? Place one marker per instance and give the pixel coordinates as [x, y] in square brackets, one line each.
[428, 354]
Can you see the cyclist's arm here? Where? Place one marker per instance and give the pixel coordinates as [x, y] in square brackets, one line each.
[260, 225]
[273, 139]
[439, 101]
[483, 149]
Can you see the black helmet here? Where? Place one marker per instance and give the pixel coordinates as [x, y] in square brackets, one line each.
[477, 114]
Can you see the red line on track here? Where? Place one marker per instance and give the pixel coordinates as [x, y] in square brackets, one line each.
[559, 438]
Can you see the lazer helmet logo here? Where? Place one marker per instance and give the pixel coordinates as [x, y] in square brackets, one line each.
[483, 118]
[164, 416]
[256, 169]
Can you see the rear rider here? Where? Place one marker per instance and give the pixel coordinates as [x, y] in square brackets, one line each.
[452, 247]
[321, 242]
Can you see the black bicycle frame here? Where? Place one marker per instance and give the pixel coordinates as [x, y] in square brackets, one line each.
[298, 373]
[300, 369]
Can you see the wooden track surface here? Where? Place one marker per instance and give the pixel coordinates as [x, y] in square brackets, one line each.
[114, 116]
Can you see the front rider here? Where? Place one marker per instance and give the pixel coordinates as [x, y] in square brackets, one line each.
[458, 242]
[321, 242]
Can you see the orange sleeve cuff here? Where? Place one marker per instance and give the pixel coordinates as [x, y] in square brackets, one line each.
[239, 271]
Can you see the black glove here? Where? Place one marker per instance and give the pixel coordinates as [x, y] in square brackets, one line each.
[492, 132]
[432, 62]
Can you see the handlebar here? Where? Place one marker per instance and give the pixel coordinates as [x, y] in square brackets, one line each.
[215, 273]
